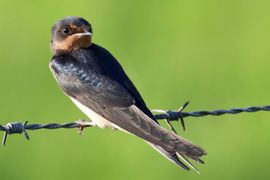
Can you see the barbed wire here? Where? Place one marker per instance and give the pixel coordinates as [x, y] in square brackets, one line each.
[167, 115]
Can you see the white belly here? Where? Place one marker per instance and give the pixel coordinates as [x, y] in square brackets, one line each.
[96, 118]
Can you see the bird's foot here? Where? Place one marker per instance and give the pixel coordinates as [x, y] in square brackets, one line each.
[83, 124]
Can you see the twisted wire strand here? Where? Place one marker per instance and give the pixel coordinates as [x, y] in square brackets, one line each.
[6, 128]
[175, 115]
[18, 127]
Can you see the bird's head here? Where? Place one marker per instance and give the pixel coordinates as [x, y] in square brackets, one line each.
[70, 33]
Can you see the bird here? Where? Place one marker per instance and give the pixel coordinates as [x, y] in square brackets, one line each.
[98, 85]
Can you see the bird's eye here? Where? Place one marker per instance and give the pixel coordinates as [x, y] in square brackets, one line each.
[66, 30]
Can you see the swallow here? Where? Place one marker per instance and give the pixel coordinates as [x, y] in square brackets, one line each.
[97, 84]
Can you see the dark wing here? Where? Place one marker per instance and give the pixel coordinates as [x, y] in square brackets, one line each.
[110, 67]
[109, 99]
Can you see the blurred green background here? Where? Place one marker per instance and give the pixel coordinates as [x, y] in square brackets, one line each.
[214, 53]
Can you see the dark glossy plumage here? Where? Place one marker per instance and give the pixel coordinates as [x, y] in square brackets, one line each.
[95, 78]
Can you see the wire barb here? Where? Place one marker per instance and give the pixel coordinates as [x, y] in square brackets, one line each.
[180, 115]
[14, 128]
[168, 116]
[172, 116]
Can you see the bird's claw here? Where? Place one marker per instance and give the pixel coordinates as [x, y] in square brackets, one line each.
[82, 124]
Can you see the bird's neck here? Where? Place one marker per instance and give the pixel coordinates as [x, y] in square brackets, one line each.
[70, 44]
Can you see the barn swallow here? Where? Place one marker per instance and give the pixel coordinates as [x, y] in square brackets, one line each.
[95, 81]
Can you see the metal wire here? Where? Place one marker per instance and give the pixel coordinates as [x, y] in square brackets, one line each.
[175, 115]
[18, 127]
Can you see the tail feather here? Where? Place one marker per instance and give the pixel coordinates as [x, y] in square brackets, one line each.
[187, 162]
[151, 131]
[178, 159]
[170, 155]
